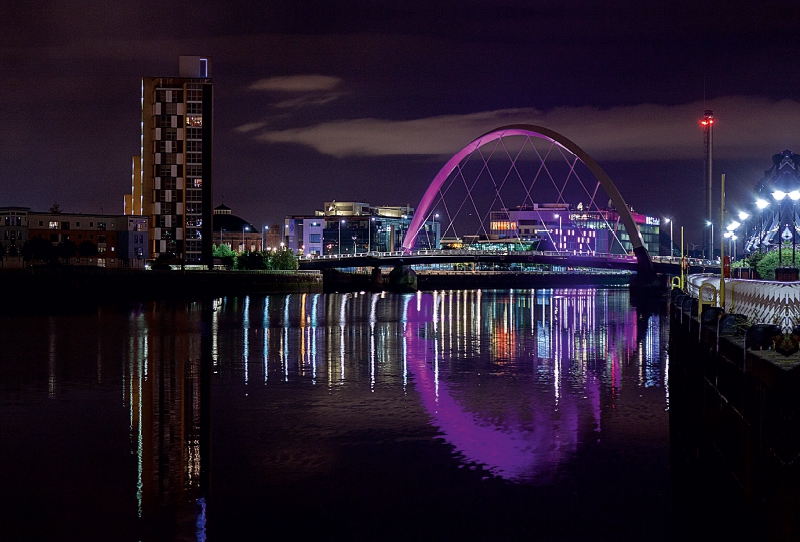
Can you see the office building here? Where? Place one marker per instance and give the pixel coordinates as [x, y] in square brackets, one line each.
[557, 226]
[353, 227]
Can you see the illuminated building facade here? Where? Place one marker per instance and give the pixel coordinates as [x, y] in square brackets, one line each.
[355, 228]
[172, 178]
[556, 226]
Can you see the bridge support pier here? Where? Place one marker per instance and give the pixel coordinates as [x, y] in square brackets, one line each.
[403, 279]
[377, 279]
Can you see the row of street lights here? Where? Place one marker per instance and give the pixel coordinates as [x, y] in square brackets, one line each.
[761, 204]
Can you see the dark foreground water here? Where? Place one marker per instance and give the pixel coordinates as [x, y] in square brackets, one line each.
[464, 415]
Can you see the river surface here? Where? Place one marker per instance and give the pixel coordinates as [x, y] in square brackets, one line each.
[458, 415]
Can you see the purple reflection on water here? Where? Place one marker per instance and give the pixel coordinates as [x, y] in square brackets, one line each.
[527, 445]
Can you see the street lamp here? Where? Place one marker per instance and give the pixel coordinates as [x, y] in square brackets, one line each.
[761, 204]
[340, 237]
[244, 229]
[669, 221]
[779, 195]
[221, 231]
[369, 233]
[560, 232]
[709, 223]
[794, 195]
[733, 241]
[354, 245]
[743, 216]
[731, 234]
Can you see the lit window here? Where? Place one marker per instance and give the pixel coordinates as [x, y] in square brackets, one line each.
[53, 225]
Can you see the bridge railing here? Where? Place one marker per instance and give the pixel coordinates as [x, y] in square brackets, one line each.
[472, 252]
[697, 262]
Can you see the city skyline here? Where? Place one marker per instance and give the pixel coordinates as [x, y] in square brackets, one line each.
[365, 101]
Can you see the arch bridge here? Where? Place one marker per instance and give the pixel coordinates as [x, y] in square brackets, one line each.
[497, 182]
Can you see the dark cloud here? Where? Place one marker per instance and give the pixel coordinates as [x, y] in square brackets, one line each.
[747, 128]
[296, 83]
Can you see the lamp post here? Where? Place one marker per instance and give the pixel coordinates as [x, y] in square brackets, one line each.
[560, 232]
[369, 233]
[779, 195]
[761, 204]
[743, 216]
[709, 223]
[244, 229]
[669, 221]
[731, 244]
[794, 195]
[221, 231]
[355, 251]
[731, 235]
[340, 237]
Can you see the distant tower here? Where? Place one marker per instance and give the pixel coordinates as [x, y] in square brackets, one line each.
[708, 141]
[173, 184]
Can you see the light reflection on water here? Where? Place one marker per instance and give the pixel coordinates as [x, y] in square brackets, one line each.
[516, 383]
[508, 378]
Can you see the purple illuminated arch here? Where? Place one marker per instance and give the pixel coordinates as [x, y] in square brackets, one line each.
[529, 130]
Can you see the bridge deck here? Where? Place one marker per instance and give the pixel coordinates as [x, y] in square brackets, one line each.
[661, 264]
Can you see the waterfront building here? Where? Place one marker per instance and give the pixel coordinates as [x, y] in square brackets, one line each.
[171, 181]
[109, 240]
[557, 226]
[355, 227]
[13, 228]
[237, 233]
[119, 240]
[304, 234]
[273, 236]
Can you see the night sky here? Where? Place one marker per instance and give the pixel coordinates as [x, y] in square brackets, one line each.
[366, 100]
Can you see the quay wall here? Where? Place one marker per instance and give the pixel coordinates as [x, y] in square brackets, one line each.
[37, 287]
[735, 411]
[466, 280]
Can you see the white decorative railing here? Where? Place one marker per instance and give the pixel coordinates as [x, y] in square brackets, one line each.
[761, 301]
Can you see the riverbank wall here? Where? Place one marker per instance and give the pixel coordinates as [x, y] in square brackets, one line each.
[735, 412]
[337, 281]
[52, 287]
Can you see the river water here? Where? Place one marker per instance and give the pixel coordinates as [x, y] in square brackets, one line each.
[523, 414]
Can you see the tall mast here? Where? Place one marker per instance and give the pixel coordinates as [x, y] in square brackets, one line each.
[708, 141]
